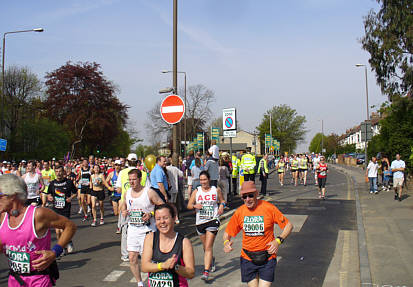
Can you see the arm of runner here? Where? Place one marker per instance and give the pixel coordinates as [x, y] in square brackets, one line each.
[154, 197]
[42, 184]
[227, 243]
[221, 201]
[109, 177]
[106, 184]
[123, 208]
[187, 271]
[191, 202]
[163, 191]
[45, 219]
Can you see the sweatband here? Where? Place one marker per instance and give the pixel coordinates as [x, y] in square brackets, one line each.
[57, 249]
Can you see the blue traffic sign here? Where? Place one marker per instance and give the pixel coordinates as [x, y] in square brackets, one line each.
[3, 144]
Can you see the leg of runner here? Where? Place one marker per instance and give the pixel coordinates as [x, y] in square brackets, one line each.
[208, 242]
[44, 199]
[134, 266]
[93, 210]
[305, 177]
[79, 199]
[83, 201]
[102, 212]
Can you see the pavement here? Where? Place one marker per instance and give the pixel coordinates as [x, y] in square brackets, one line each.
[385, 233]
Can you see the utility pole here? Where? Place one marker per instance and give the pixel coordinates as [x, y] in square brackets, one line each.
[322, 136]
[175, 146]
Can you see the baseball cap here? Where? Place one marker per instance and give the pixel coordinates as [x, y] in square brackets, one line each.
[118, 162]
[248, 187]
[132, 156]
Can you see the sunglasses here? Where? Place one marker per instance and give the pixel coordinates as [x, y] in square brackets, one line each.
[250, 195]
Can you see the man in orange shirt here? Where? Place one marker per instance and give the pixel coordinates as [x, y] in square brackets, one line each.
[259, 246]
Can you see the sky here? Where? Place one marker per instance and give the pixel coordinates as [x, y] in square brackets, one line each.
[254, 54]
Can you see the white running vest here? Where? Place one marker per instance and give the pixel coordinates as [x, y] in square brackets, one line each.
[209, 201]
[136, 207]
[33, 185]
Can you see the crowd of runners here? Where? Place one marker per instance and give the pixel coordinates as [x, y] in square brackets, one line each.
[147, 196]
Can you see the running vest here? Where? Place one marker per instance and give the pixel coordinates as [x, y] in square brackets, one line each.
[137, 206]
[20, 244]
[281, 165]
[84, 177]
[209, 202]
[168, 278]
[113, 182]
[48, 176]
[303, 163]
[322, 170]
[294, 164]
[33, 185]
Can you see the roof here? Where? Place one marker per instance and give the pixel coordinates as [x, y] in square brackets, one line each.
[235, 146]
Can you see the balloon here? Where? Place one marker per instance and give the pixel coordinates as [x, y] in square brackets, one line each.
[150, 161]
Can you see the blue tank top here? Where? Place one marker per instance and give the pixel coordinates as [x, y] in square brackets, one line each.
[113, 181]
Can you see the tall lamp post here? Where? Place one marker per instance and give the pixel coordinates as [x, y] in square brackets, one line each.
[2, 72]
[367, 107]
[166, 71]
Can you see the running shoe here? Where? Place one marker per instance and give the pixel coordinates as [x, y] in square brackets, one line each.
[213, 266]
[88, 209]
[205, 275]
[124, 258]
[70, 248]
[80, 210]
[84, 218]
[395, 197]
[118, 230]
[371, 191]
[101, 221]
[93, 223]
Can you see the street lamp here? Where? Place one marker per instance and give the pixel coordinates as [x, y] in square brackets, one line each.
[166, 71]
[2, 72]
[166, 90]
[367, 106]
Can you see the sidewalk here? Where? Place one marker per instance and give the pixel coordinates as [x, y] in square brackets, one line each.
[386, 234]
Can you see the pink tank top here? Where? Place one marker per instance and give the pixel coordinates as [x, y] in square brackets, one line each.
[20, 244]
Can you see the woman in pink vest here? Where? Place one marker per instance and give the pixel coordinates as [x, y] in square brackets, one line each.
[25, 236]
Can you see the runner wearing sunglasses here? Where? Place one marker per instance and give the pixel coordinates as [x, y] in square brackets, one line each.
[259, 246]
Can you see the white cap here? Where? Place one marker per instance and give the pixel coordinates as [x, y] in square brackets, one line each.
[132, 156]
[5, 162]
[118, 162]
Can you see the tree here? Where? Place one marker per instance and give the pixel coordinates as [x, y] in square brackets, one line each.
[389, 40]
[198, 113]
[287, 127]
[80, 98]
[315, 144]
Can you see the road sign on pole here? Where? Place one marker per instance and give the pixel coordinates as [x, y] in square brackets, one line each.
[228, 119]
[230, 134]
[172, 109]
[3, 144]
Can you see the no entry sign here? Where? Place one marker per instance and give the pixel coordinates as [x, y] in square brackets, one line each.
[172, 109]
[228, 118]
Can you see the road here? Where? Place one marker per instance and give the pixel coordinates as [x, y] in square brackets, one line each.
[322, 250]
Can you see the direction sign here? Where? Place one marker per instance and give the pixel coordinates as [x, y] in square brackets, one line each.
[172, 109]
[228, 119]
[230, 134]
[3, 144]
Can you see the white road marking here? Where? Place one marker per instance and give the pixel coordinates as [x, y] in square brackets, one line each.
[144, 277]
[113, 276]
[125, 264]
[172, 109]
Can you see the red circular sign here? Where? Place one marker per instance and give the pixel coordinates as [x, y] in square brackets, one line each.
[172, 109]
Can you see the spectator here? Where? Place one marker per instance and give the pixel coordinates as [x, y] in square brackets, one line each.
[371, 172]
[397, 168]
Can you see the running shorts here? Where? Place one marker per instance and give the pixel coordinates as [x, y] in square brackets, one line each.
[35, 201]
[265, 272]
[135, 239]
[85, 189]
[115, 198]
[211, 226]
[189, 180]
[100, 194]
[398, 182]
[322, 182]
[303, 169]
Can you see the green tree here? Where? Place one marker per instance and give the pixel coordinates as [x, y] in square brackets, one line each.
[287, 127]
[348, 148]
[389, 40]
[315, 144]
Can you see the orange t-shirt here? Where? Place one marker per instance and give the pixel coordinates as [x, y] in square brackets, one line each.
[257, 226]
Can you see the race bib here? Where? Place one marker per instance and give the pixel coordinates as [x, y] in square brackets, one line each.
[31, 188]
[19, 262]
[254, 225]
[135, 217]
[59, 202]
[84, 181]
[161, 279]
[207, 212]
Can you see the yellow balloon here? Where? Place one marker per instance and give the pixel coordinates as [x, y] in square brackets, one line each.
[150, 161]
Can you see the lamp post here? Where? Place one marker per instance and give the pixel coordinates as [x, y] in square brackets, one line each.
[166, 71]
[367, 110]
[2, 72]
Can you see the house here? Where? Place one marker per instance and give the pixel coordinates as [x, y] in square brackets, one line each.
[243, 140]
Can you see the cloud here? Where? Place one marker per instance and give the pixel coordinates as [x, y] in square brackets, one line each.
[197, 35]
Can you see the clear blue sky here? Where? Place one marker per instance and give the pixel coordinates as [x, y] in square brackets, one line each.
[252, 54]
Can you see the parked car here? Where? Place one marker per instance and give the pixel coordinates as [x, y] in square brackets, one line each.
[361, 158]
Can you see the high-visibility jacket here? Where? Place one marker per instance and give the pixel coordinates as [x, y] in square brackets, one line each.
[262, 166]
[294, 164]
[235, 166]
[248, 162]
[303, 163]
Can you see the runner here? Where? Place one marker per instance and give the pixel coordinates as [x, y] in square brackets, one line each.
[209, 204]
[139, 205]
[116, 195]
[97, 182]
[25, 236]
[397, 167]
[281, 170]
[303, 169]
[259, 246]
[294, 170]
[316, 161]
[34, 184]
[48, 175]
[322, 169]
[167, 256]
[83, 178]
[61, 192]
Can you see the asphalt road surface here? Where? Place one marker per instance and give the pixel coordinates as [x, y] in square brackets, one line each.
[320, 246]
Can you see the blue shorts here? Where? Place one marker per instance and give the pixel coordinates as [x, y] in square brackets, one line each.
[249, 270]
